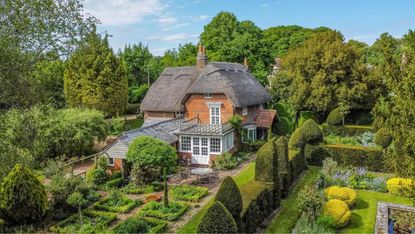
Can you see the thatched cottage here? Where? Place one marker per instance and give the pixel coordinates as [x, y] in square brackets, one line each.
[189, 107]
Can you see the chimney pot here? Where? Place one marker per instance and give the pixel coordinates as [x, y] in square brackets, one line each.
[201, 59]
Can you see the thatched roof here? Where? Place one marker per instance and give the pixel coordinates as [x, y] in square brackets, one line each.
[232, 79]
[167, 93]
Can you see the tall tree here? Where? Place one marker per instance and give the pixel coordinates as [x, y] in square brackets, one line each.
[28, 30]
[136, 59]
[324, 71]
[96, 78]
[396, 112]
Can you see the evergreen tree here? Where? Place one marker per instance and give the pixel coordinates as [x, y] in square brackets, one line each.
[230, 196]
[22, 196]
[217, 219]
[95, 78]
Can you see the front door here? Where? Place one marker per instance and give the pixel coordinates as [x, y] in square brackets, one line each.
[200, 150]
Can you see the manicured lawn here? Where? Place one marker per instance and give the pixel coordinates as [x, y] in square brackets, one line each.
[289, 213]
[364, 212]
[243, 177]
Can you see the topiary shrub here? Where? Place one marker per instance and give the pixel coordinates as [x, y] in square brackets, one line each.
[297, 162]
[217, 219]
[304, 116]
[132, 225]
[315, 154]
[281, 149]
[283, 126]
[401, 187]
[266, 167]
[23, 197]
[311, 132]
[230, 196]
[335, 118]
[340, 212]
[345, 194]
[257, 211]
[297, 139]
[383, 138]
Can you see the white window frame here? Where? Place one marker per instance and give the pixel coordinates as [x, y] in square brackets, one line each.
[190, 143]
[245, 110]
[247, 139]
[207, 95]
[228, 142]
[109, 161]
[215, 119]
[219, 147]
[261, 106]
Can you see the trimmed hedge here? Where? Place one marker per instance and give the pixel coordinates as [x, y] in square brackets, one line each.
[304, 116]
[281, 146]
[311, 132]
[266, 167]
[357, 156]
[121, 204]
[315, 154]
[383, 138]
[188, 193]
[297, 139]
[130, 225]
[345, 130]
[157, 210]
[217, 219]
[335, 118]
[297, 162]
[340, 212]
[98, 219]
[283, 126]
[259, 201]
[345, 194]
[230, 196]
[401, 187]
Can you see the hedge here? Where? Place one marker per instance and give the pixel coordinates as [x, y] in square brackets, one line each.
[345, 130]
[383, 138]
[357, 156]
[315, 154]
[157, 210]
[281, 146]
[283, 126]
[304, 116]
[217, 219]
[258, 203]
[297, 139]
[340, 212]
[266, 166]
[154, 225]
[335, 118]
[230, 196]
[297, 162]
[311, 132]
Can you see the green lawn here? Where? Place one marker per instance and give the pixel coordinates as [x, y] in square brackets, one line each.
[289, 213]
[243, 177]
[364, 212]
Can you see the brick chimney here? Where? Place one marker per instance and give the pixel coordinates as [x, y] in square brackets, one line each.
[246, 62]
[201, 59]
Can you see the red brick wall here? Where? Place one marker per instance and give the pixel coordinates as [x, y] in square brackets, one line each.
[251, 109]
[117, 165]
[196, 105]
[157, 114]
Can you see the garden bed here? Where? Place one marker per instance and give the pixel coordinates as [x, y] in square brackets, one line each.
[157, 210]
[92, 221]
[140, 225]
[117, 203]
[188, 193]
[132, 188]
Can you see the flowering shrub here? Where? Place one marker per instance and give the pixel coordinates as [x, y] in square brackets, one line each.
[341, 193]
[401, 187]
[339, 210]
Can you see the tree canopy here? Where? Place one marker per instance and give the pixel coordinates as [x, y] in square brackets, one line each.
[95, 78]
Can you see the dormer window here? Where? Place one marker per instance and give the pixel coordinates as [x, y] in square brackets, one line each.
[261, 106]
[208, 95]
[245, 111]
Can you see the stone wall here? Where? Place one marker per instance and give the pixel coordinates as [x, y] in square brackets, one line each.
[382, 215]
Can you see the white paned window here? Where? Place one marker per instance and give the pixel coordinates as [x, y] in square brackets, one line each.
[208, 95]
[215, 145]
[245, 111]
[185, 143]
[228, 141]
[196, 146]
[214, 115]
[261, 106]
[251, 134]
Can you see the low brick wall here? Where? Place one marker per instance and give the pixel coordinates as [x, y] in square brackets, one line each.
[382, 215]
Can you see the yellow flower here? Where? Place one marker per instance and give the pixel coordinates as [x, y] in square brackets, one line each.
[345, 194]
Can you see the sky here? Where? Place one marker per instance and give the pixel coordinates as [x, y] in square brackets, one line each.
[164, 24]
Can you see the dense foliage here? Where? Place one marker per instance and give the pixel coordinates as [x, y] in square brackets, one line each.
[23, 197]
[266, 167]
[339, 210]
[217, 219]
[95, 77]
[230, 196]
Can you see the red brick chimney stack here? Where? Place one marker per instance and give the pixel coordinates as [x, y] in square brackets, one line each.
[201, 59]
